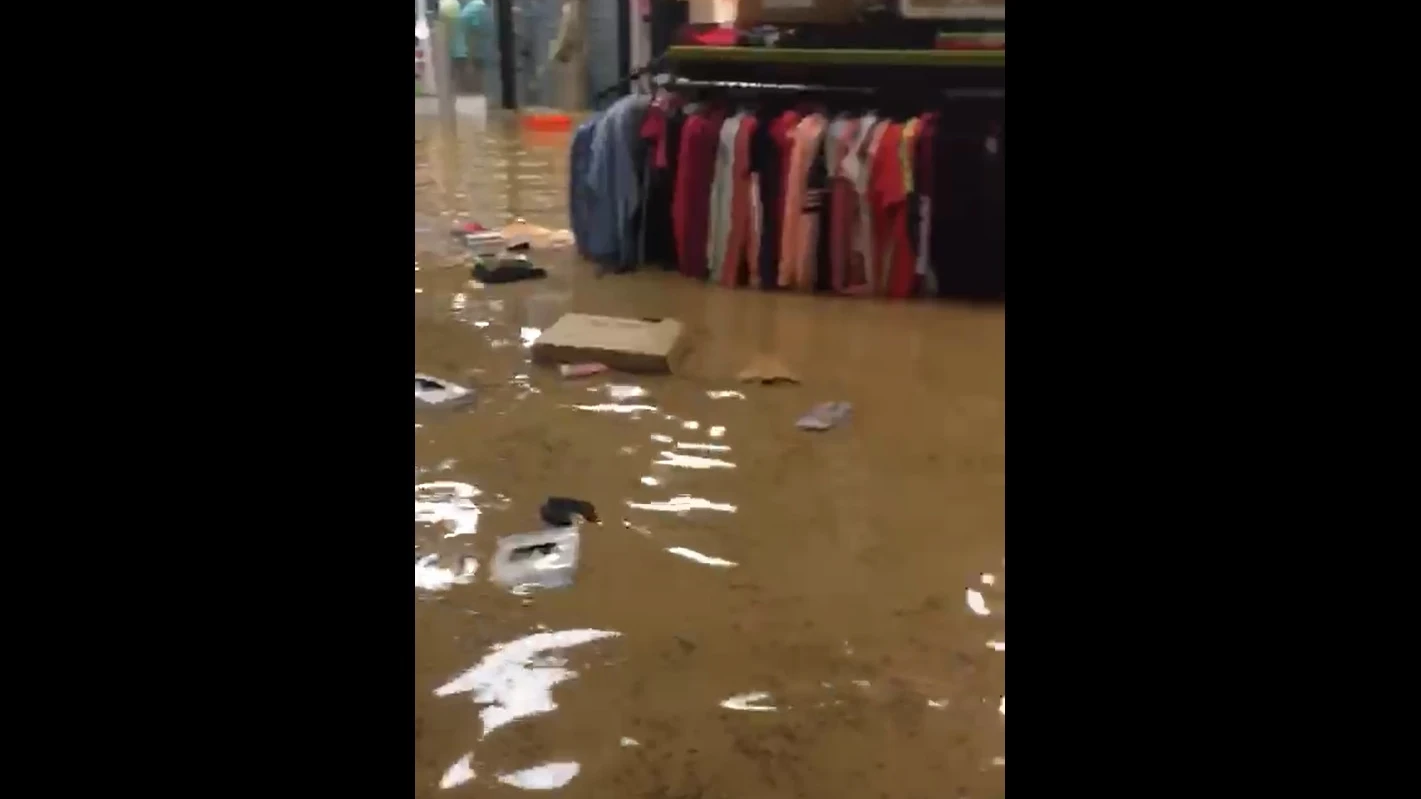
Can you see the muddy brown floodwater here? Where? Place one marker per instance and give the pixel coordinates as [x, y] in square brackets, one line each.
[831, 622]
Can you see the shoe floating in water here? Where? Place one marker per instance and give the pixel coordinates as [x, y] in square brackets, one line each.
[435, 393]
[566, 511]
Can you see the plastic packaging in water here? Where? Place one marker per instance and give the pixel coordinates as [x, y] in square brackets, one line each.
[436, 393]
[527, 561]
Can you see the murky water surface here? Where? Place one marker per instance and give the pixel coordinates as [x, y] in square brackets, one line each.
[764, 612]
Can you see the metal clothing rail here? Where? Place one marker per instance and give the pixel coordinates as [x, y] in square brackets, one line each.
[955, 94]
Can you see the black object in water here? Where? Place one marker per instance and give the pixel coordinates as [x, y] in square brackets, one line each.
[558, 511]
[508, 270]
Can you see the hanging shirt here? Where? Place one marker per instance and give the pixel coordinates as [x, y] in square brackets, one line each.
[661, 133]
[825, 168]
[906, 155]
[593, 242]
[785, 140]
[846, 273]
[690, 211]
[767, 157]
[811, 145]
[722, 191]
[893, 257]
[743, 247]
[802, 141]
[855, 167]
[613, 171]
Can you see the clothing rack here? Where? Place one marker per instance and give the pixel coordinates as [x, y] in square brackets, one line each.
[970, 219]
[687, 83]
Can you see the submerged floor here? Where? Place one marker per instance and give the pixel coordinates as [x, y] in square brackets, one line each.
[843, 633]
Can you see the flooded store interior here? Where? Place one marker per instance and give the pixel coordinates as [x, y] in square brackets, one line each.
[843, 633]
[761, 611]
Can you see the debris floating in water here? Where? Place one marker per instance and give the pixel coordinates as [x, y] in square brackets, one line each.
[434, 392]
[566, 511]
[750, 701]
[536, 560]
[572, 370]
[825, 416]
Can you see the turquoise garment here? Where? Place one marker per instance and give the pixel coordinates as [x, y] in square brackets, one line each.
[467, 24]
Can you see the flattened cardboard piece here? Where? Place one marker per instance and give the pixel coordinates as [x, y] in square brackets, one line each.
[626, 345]
[766, 369]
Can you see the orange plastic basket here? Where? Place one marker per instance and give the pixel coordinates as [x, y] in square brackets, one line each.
[547, 122]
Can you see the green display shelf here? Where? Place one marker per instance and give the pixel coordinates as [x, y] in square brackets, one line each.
[886, 58]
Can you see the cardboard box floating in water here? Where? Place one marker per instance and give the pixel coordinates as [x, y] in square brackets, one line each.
[627, 345]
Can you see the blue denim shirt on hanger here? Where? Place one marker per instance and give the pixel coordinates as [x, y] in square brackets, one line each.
[612, 175]
[579, 192]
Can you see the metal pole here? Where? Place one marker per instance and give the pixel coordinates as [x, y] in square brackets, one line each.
[443, 65]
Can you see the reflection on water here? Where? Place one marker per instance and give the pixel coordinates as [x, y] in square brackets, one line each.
[515, 680]
[796, 615]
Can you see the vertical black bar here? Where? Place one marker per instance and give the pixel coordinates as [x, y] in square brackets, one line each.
[507, 55]
[666, 19]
